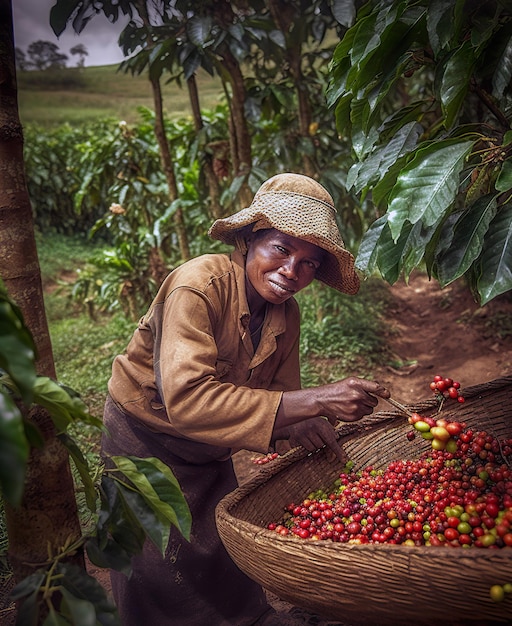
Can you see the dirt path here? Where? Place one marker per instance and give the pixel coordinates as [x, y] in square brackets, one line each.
[444, 331]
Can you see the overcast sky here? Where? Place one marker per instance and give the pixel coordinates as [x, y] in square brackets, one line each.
[32, 23]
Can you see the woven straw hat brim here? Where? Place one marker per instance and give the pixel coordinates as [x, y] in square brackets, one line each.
[301, 216]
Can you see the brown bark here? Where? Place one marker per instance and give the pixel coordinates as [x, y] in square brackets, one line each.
[241, 149]
[207, 164]
[47, 516]
[284, 16]
[163, 145]
[168, 167]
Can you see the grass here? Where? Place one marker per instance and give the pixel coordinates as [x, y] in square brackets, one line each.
[83, 347]
[73, 95]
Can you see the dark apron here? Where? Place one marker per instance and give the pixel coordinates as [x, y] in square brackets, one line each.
[196, 583]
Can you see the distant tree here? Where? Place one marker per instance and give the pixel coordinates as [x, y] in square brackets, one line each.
[21, 59]
[44, 55]
[81, 51]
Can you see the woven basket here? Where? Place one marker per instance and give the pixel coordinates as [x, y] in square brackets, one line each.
[372, 583]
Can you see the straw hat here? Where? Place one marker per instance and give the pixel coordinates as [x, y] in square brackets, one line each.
[298, 206]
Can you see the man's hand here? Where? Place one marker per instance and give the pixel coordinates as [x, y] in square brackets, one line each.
[312, 434]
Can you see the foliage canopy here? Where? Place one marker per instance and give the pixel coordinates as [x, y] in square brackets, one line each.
[422, 90]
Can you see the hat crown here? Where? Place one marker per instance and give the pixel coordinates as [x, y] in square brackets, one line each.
[296, 183]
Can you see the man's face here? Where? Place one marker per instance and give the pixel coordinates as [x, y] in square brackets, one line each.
[279, 265]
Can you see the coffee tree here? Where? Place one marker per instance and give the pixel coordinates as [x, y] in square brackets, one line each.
[422, 91]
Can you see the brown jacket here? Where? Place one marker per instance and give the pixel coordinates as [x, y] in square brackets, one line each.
[190, 369]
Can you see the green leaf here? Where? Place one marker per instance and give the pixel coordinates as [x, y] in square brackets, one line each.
[467, 240]
[380, 160]
[440, 24]
[83, 469]
[496, 260]
[80, 611]
[154, 526]
[29, 585]
[367, 253]
[416, 245]
[426, 188]
[390, 253]
[122, 524]
[503, 72]
[109, 555]
[14, 450]
[159, 487]
[62, 407]
[455, 82]
[504, 180]
[86, 598]
[55, 619]
[17, 349]
[344, 11]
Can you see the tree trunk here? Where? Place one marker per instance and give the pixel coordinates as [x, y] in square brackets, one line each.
[168, 167]
[284, 16]
[48, 515]
[303, 104]
[242, 162]
[207, 159]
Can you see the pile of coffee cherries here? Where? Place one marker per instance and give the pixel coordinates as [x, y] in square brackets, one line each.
[458, 494]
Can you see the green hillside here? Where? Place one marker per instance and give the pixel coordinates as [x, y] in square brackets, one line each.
[79, 94]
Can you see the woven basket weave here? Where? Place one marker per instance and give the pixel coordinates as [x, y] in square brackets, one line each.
[369, 584]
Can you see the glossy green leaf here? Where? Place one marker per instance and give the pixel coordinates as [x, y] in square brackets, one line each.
[415, 247]
[503, 72]
[426, 188]
[496, 260]
[154, 526]
[121, 523]
[382, 158]
[14, 450]
[455, 82]
[198, 29]
[504, 180]
[344, 11]
[17, 349]
[440, 24]
[86, 598]
[28, 585]
[28, 603]
[366, 259]
[159, 488]
[384, 187]
[62, 407]
[109, 555]
[467, 240]
[80, 611]
[83, 469]
[54, 618]
[390, 253]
